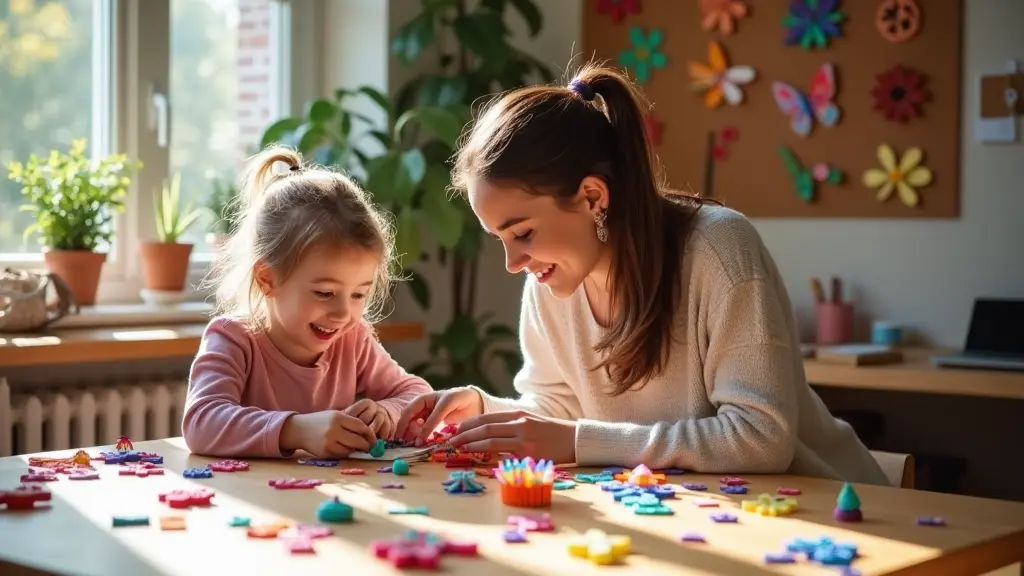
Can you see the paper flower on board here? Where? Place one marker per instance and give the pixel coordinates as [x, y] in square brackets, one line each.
[655, 128]
[722, 15]
[726, 136]
[717, 80]
[644, 55]
[617, 9]
[898, 20]
[904, 176]
[811, 23]
[805, 180]
[899, 93]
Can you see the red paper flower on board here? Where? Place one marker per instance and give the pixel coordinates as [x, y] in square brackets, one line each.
[655, 128]
[618, 9]
[726, 136]
[899, 93]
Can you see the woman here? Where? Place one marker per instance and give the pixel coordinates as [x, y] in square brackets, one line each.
[655, 327]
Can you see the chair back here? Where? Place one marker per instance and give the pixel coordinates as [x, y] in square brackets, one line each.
[898, 468]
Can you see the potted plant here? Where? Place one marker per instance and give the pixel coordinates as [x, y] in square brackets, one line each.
[165, 261]
[222, 203]
[74, 201]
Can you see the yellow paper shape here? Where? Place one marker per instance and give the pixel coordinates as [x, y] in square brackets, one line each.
[904, 175]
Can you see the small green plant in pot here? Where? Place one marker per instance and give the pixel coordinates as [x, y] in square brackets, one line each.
[165, 261]
[74, 201]
[222, 202]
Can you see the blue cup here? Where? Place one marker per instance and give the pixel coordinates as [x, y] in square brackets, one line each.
[886, 334]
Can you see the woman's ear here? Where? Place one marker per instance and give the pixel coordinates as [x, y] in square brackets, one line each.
[264, 278]
[593, 192]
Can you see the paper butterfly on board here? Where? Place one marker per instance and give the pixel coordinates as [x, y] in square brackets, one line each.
[817, 103]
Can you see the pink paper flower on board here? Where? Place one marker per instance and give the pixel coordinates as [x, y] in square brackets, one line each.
[722, 15]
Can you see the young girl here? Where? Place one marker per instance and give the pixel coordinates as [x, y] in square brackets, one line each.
[279, 368]
[655, 326]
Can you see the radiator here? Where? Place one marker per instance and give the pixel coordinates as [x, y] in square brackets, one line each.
[64, 418]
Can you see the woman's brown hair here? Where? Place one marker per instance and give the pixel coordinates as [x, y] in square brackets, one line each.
[546, 139]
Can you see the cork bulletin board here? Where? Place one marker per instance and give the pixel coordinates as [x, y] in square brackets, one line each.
[797, 108]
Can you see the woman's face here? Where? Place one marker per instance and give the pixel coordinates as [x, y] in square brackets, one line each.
[556, 244]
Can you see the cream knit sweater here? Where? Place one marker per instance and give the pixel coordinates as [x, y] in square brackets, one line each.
[733, 398]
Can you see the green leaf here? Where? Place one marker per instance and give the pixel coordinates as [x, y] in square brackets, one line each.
[309, 137]
[388, 179]
[378, 97]
[277, 131]
[320, 111]
[442, 90]
[416, 167]
[407, 237]
[413, 37]
[530, 13]
[460, 338]
[792, 164]
[835, 176]
[500, 331]
[420, 289]
[441, 122]
[483, 33]
[443, 217]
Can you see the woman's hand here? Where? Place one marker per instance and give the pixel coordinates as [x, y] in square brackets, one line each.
[520, 433]
[429, 410]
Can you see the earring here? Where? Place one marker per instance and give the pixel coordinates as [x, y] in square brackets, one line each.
[602, 230]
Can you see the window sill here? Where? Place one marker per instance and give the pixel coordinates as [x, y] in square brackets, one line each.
[136, 314]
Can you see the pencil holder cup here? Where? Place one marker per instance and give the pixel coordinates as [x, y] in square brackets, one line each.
[834, 323]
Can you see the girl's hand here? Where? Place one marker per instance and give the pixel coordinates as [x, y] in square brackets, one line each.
[449, 406]
[327, 434]
[520, 433]
[374, 416]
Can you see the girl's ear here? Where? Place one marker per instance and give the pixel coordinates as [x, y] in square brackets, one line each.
[264, 279]
[593, 192]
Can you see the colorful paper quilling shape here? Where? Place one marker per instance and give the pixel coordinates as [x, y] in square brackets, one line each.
[617, 9]
[644, 55]
[904, 176]
[811, 23]
[717, 80]
[722, 15]
[898, 20]
[806, 180]
[899, 93]
[817, 103]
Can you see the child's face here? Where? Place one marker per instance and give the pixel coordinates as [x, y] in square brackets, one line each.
[322, 299]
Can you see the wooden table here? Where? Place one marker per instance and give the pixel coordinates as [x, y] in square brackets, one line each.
[75, 534]
[917, 374]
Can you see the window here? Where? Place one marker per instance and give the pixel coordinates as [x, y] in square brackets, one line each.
[91, 68]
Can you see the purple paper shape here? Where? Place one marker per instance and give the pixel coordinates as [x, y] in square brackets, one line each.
[692, 537]
[779, 558]
[733, 489]
[392, 485]
[514, 536]
[930, 521]
[695, 486]
[723, 517]
[673, 471]
[384, 469]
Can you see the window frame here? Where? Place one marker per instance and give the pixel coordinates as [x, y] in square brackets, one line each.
[133, 63]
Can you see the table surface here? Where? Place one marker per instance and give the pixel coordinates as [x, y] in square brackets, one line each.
[75, 534]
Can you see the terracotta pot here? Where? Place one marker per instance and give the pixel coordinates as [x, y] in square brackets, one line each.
[80, 270]
[165, 265]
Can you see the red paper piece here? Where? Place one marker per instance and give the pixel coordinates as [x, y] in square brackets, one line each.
[352, 471]
[83, 474]
[229, 466]
[732, 481]
[24, 497]
[294, 483]
[788, 491]
[655, 128]
[187, 498]
[617, 9]
[142, 469]
[39, 475]
[420, 549]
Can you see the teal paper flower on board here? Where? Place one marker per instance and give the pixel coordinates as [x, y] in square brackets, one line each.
[644, 55]
[811, 23]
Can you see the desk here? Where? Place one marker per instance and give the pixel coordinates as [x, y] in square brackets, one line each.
[75, 534]
[916, 374]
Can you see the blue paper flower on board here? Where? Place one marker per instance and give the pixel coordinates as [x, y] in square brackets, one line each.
[811, 23]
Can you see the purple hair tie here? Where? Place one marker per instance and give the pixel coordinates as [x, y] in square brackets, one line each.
[583, 89]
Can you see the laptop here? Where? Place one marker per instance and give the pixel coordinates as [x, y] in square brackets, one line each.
[995, 338]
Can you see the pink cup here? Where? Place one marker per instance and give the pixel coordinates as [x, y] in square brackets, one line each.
[834, 323]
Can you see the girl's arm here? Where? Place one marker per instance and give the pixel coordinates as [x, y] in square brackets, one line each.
[214, 423]
[381, 379]
[749, 372]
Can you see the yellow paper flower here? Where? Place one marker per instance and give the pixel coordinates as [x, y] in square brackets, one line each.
[904, 176]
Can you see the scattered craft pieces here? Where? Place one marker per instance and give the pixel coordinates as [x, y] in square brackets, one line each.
[644, 55]
[122, 521]
[812, 23]
[695, 486]
[400, 467]
[531, 523]
[352, 471]
[718, 81]
[415, 549]
[83, 474]
[723, 517]
[640, 476]
[378, 448]
[903, 176]
[780, 558]
[732, 481]
[733, 489]
[599, 547]
[721, 15]
[124, 445]
[692, 537]
[847, 505]
[142, 470]
[308, 531]
[824, 551]
[421, 510]
[229, 466]
[617, 9]
[563, 485]
[705, 503]
[930, 521]
[647, 505]
[79, 458]
[24, 497]
[513, 536]
[898, 20]
[39, 475]
[392, 485]
[196, 473]
[334, 511]
[186, 498]
[130, 456]
[299, 545]
[899, 93]
[804, 179]
[172, 522]
[592, 478]
[766, 505]
[660, 492]
[320, 462]
[463, 482]
[788, 491]
[240, 522]
[802, 109]
[294, 483]
[270, 530]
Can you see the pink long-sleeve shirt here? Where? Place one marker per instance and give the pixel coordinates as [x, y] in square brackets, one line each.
[242, 389]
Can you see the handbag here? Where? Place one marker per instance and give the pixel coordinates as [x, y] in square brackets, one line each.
[23, 300]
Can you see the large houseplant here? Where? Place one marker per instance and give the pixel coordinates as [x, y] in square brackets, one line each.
[165, 260]
[480, 62]
[74, 201]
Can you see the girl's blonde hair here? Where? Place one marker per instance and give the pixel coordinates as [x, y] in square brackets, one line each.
[287, 213]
